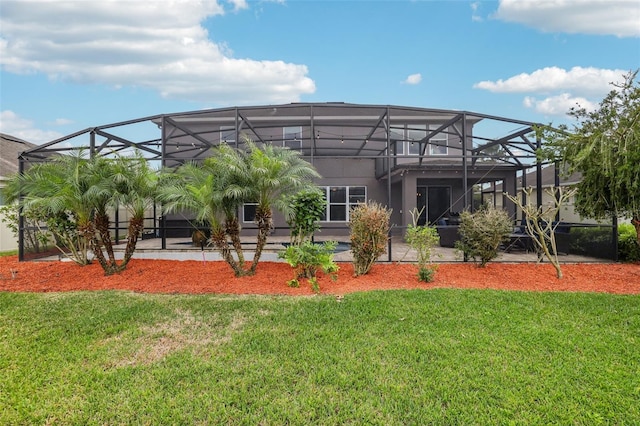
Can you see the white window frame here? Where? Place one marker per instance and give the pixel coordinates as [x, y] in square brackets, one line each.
[415, 133]
[397, 133]
[440, 138]
[228, 134]
[348, 204]
[296, 142]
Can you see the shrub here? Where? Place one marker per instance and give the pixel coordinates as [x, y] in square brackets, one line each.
[422, 239]
[34, 240]
[307, 258]
[628, 247]
[482, 233]
[369, 235]
[426, 273]
[306, 208]
[593, 241]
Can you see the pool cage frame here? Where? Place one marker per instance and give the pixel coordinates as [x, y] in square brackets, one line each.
[328, 131]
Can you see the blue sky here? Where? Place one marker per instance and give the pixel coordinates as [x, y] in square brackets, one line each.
[69, 65]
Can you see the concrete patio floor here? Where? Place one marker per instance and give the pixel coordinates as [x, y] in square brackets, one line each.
[183, 249]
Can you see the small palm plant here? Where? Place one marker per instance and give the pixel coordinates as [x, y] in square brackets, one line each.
[63, 194]
[74, 195]
[135, 186]
[200, 188]
[274, 173]
[216, 189]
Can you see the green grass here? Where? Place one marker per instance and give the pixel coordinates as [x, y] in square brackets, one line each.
[388, 358]
[8, 253]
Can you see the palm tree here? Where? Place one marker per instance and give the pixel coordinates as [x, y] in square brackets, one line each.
[65, 193]
[273, 173]
[216, 189]
[76, 194]
[133, 185]
[200, 188]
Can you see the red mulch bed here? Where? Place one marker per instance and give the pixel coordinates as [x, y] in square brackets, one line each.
[166, 276]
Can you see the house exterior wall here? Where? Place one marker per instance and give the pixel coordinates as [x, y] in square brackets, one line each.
[567, 210]
[7, 240]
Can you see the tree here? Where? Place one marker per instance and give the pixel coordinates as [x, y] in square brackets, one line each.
[216, 189]
[540, 223]
[75, 194]
[200, 188]
[135, 186]
[273, 173]
[64, 195]
[604, 147]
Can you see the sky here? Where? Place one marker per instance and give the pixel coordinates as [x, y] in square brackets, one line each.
[69, 65]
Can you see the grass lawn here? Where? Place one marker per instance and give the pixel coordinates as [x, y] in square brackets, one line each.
[389, 358]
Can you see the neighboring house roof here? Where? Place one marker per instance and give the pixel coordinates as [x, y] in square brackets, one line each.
[10, 148]
[548, 178]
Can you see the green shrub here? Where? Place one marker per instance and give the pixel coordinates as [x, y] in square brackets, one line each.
[307, 258]
[422, 239]
[628, 247]
[426, 273]
[34, 239]
[306, 208]
[369, 225]
[482, 233]
[594, 241]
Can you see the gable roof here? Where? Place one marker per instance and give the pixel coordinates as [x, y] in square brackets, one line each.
[10, 148]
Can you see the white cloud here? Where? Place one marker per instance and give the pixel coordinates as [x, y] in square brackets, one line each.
[413, 79]
[605, 17]
[62, 122]
[562, 89]
[156, 45]
[594, 81]
[14, 125]
[475, 17]
[238, 4]
[559, 104]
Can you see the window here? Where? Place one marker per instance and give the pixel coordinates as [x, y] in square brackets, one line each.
[340, 200]
[249, 212]
[397, 137]
[438, 145]
[227, 134]
[415, 134]
[292, 137]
